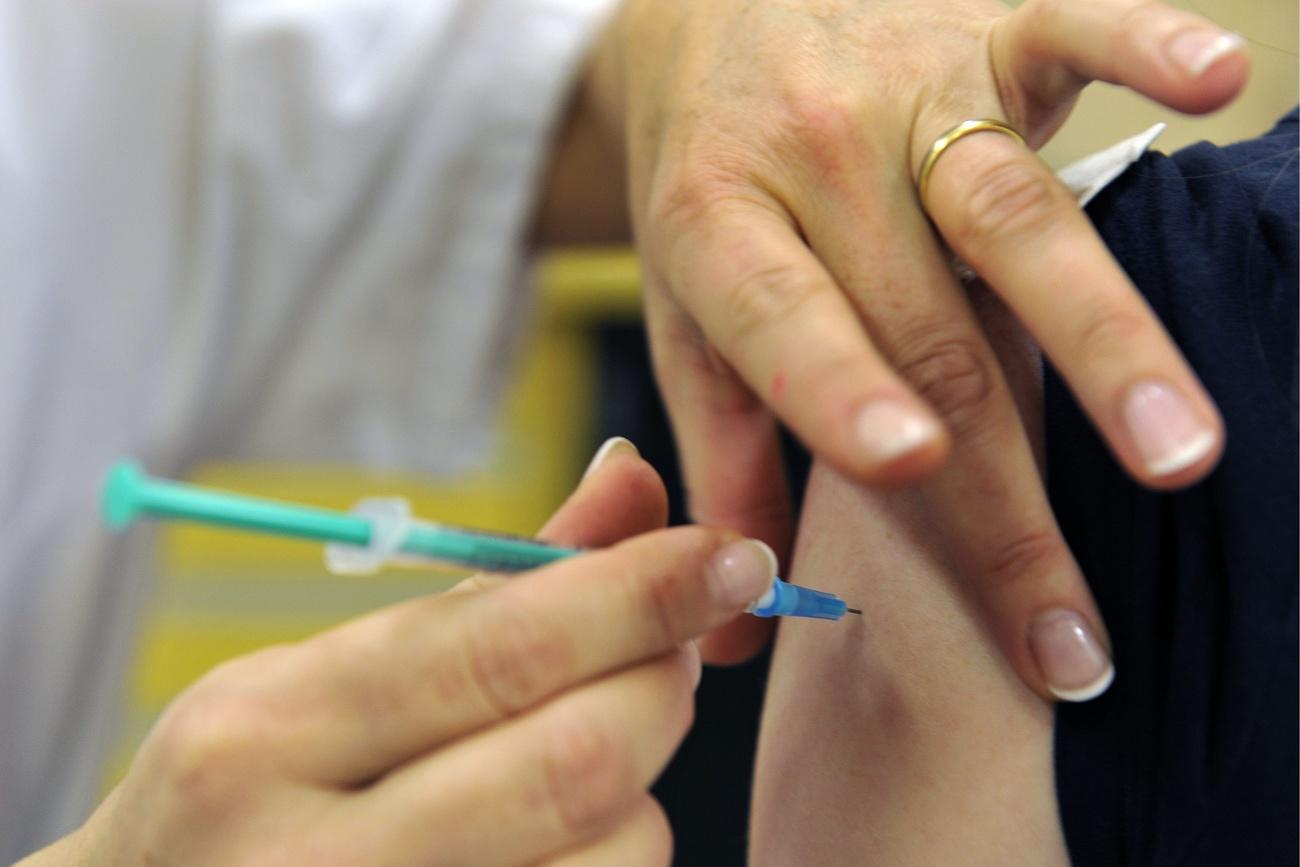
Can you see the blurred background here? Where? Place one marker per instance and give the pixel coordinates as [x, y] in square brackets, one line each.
[581, 375]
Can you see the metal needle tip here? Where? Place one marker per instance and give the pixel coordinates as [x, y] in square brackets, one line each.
[854, 611]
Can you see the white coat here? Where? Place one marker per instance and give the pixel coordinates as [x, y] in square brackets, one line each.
[265, 228]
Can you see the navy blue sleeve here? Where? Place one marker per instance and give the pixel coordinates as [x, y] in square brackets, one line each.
[1191, 757]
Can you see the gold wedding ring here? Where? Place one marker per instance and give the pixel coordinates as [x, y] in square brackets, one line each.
[945, 141]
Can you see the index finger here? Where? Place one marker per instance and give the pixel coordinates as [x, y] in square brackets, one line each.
[383, 689]
[772, 309]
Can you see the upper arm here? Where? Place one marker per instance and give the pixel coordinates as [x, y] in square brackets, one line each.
[903, 737]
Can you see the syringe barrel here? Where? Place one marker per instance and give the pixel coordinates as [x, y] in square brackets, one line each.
[791, 600]
[397, 537]
[491, 552]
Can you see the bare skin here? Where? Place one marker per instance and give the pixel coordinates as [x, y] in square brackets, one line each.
[769, 154]
[902, 737]
[510, 723]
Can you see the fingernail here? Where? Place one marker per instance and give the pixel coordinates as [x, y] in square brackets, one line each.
[1168, 434]
[1197, 49]
[1069, 655]
[611, 446]
[741, 572]
[888, 430]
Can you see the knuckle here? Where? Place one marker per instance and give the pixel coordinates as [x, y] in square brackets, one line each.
[206, 746]
[825, 129]
[1024, 557]
[1137, 18]
[347, 660]
[956, 379]
[587, 772]
[762, 298]
[1109, 334]
[690, 197]
[671, 591]
[1009, 198]
[1130, 31]
[517, 657]
[821, 114]
[664, 601]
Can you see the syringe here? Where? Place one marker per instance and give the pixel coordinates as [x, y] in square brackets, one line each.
[379, 531]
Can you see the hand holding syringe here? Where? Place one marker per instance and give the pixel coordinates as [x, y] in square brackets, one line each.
[511, 722]
[382, 530]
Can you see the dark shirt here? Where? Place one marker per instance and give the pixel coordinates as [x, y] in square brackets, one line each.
[1191, 757]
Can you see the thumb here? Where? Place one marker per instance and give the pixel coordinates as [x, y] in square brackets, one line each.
[1046, 51]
